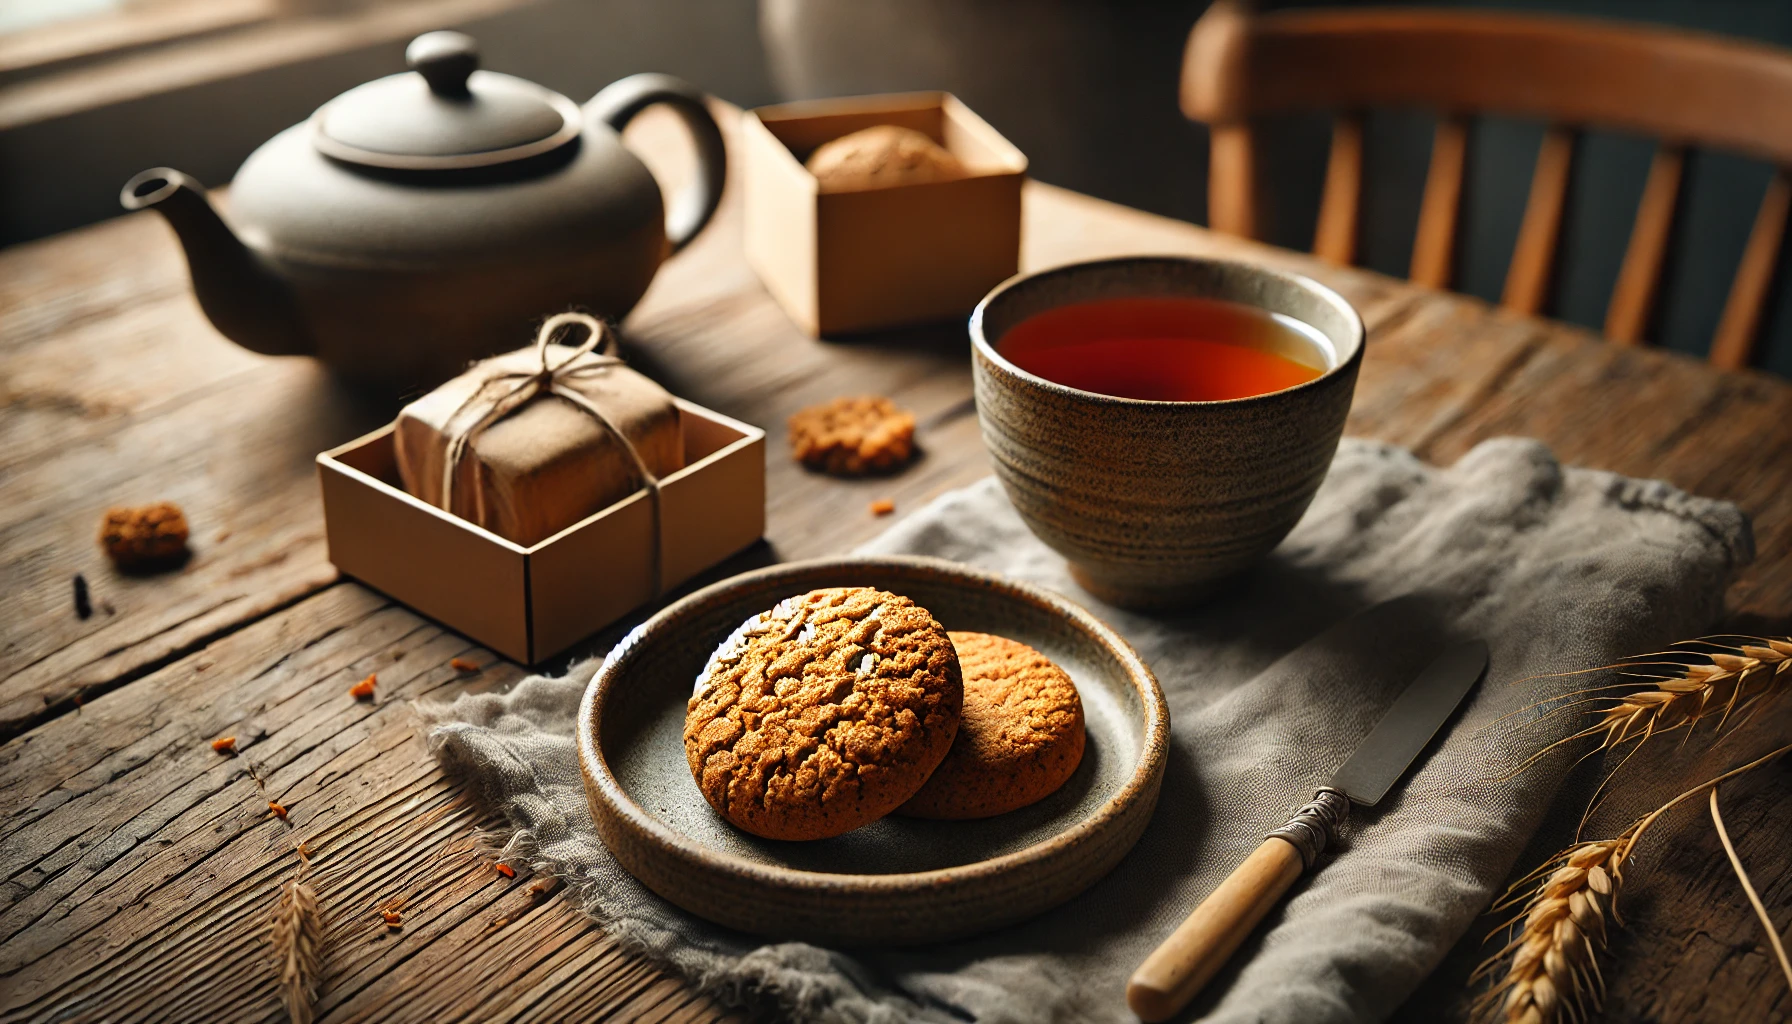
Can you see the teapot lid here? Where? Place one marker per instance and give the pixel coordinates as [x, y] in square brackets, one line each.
[446, 116]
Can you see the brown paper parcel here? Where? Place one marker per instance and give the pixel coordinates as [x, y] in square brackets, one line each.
[535, 460]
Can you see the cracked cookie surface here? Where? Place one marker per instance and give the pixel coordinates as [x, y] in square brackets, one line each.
[1020, 736]
[823, 714]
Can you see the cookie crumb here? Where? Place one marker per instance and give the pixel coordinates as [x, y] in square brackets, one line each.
[83, 607]
[145, 538]
[393, 919]
[882, 507]
[853, 436]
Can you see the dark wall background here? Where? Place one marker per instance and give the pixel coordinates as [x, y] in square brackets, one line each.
[1717, 209]
[1087, 88]
[60, 172]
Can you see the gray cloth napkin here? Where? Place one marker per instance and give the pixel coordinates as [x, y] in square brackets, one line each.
[1556, 568]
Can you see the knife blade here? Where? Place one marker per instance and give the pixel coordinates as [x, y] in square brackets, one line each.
[1409, 724]
[1184, 962]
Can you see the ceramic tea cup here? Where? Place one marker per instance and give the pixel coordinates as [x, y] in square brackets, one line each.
[1157, 503]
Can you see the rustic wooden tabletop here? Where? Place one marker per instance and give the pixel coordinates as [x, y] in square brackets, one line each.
[137, 867]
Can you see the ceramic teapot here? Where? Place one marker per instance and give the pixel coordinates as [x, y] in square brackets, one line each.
[428, 218]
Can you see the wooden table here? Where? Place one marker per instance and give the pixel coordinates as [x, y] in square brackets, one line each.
[138, 868]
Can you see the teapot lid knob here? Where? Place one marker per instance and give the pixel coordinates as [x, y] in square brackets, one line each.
[445, 59]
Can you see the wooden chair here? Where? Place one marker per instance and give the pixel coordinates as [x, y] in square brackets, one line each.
[1683, 89]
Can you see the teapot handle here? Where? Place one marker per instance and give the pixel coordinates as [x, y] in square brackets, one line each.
[620, 101]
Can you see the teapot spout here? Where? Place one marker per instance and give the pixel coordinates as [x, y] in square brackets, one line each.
[243, 299]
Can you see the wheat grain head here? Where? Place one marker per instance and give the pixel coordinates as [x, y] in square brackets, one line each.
[1551, 963]
[1549, 969]
[1663, 693]
[297, 935]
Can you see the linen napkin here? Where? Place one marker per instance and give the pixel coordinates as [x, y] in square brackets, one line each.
[1556, 568]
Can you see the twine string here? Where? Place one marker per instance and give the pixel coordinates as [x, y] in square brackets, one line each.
[520, 387]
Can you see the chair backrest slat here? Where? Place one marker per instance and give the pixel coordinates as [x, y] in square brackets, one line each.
[1231, 178]
[1434, 246]
[1735, 338]
[1334, 239]
[1527, 278]
[1727, 93]
[1687, 89]
[1633, 297]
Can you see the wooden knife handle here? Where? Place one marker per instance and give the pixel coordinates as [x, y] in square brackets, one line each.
[1196, 950]
[1176, 971]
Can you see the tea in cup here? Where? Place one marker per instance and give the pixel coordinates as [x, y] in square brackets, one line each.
[1163, 422]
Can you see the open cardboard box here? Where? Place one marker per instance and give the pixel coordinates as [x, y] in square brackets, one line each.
[529, 603]
[849, 261]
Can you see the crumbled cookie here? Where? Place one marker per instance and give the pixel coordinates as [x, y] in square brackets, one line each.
[853, 436]
[148, 537]
[880, 157]
[823, 714]
[1020, 736]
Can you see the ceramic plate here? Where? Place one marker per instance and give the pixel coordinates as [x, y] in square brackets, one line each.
[897, 880]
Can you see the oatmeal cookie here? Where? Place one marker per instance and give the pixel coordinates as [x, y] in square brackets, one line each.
[1020, 737]
[823, 714]
[853, 436]
[882, 156]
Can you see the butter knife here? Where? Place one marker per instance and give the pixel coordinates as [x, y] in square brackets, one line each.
[1176, 971]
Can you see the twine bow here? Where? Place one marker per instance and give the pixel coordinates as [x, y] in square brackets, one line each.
[551, 379]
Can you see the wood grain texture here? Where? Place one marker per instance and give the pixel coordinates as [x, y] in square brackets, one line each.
[142, 865]
[137, 867]
[1183, 963]
[117, 393]
[1633, 297]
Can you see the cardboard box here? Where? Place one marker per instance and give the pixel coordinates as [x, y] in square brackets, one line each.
[840, 262]
[530, 603]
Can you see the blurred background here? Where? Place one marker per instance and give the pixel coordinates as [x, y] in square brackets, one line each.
[92, 91]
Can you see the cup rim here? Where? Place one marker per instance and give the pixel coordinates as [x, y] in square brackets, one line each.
[1326, 294]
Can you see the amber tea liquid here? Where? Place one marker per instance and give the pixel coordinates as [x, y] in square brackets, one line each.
[1167, 349]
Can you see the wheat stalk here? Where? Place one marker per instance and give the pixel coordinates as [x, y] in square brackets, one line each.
[1748, 888]
[1549, 970]
[1664, 695]
[298, 938]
